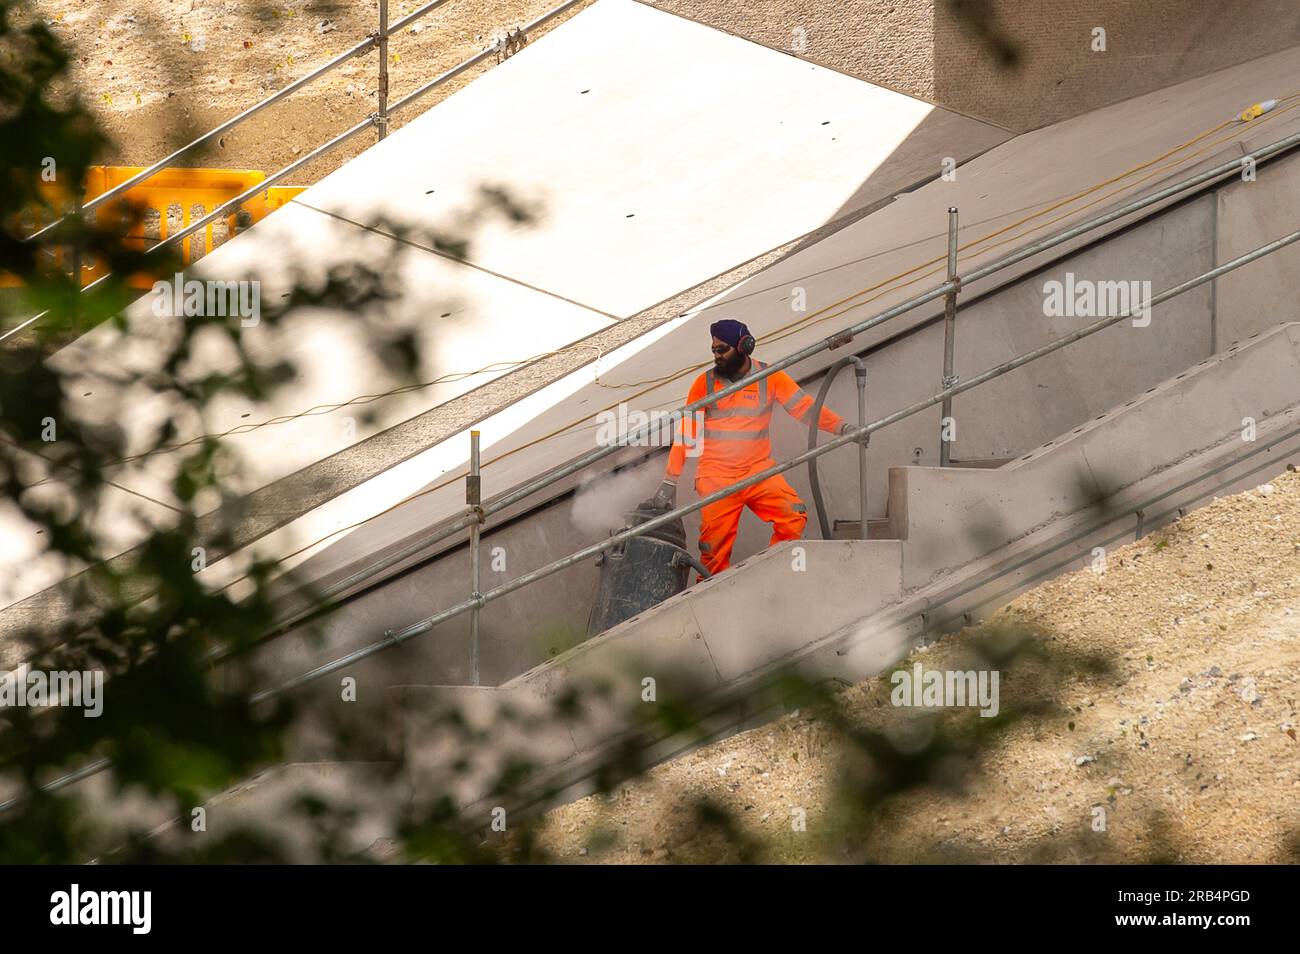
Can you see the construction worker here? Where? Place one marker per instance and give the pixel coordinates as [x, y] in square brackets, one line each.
[736, 445]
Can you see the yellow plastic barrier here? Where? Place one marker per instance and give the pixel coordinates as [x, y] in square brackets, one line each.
[192, 191]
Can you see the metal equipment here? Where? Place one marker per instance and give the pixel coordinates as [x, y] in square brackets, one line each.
[641, 572]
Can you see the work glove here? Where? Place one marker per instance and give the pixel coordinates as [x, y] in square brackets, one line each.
[666, 498]
[844, 428]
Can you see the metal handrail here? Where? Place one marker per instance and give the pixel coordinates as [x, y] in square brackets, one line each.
[814, 422]
[93, 767]
[378, 120]
[37, 317]
[479, 57]
[478, 600]
[358, 50]
[495, 504]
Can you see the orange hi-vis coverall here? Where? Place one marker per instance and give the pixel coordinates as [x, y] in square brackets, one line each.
[736, 445]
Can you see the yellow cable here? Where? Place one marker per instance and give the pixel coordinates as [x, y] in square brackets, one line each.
[803, 323]
[360, 399]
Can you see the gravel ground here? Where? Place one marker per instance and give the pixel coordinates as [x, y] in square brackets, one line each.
[1185, 749]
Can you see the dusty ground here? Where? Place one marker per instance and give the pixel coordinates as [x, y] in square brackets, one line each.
[1185, 750]
[159, 74]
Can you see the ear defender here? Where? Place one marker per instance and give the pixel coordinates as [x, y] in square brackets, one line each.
[746, 345]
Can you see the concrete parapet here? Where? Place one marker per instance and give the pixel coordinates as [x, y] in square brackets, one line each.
[949, 517]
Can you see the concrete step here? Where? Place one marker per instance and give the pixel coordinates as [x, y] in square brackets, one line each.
[880, 529]
[986, 463]
[851, 529]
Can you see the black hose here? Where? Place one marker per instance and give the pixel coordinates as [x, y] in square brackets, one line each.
[700, 567]
[814, 484]
[684, 554]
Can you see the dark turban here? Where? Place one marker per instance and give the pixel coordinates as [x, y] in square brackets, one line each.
[728, 330]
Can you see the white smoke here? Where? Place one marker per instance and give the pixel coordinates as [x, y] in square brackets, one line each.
[602, 503]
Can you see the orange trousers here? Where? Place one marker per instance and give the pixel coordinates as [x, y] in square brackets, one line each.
[773, 500]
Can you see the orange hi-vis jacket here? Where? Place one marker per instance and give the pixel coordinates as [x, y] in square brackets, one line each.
[736, 427]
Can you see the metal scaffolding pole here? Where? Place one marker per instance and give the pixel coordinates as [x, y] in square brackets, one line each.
[949, 340]
[474, 497]
[381, 117]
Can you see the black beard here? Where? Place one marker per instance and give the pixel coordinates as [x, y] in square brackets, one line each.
[731, 367]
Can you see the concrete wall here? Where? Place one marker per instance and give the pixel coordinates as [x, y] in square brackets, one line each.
[1004, 417]
[950, 516]
[924, 48]
[1251, 299]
